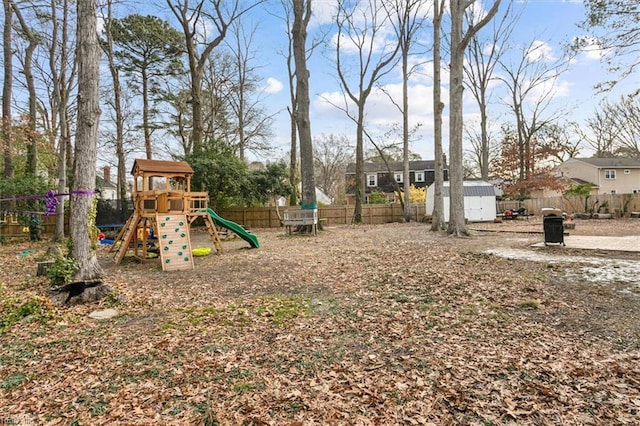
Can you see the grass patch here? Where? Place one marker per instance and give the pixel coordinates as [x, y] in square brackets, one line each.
[36, 309]
[13, 380]
[245, 387]
[529, 305]
[281, 310]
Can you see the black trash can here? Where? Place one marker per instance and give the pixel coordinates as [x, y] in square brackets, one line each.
[553, 230]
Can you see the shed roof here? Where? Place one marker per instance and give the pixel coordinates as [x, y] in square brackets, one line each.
[472, 188]
[161, 167]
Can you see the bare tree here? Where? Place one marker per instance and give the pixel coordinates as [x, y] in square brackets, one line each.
[84, 173]
[529, 82]
[220, 14]
[115, 100]
[437, 216]
[482, 57]
[626, 116]
[603, 133]
[253, 125]
[482, 150]
[331, 154]
[294, 178]
[62, 68]
[27, 69]
[407, 18]
[360, 28]
[301, 17]
[459, 43]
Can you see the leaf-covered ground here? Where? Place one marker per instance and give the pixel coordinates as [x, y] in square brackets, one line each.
[367, 325]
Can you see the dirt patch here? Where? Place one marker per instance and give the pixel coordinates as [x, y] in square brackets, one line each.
[387, 324]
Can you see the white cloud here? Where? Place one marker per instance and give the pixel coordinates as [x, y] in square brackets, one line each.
[540, 51]
[273, 85]
[590, 48]
[323, 12]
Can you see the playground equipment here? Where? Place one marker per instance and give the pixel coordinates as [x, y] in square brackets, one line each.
[164, 215]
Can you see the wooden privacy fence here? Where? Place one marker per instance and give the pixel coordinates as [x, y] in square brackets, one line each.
[616, 204]
[12, 226]
[267, 217]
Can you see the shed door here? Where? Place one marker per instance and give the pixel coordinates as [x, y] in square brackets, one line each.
[473, 208]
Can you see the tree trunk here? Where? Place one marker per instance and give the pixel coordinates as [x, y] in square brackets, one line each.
[457, 226]
[6, 90]
[82, 220]
[437, 216]
[32, 142]
[459, 43]
[302, 14]
[405, 133]
[117, 106]
[293, 163]
[360, 177]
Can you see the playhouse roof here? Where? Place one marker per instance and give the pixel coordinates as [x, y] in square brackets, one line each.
[161, 167]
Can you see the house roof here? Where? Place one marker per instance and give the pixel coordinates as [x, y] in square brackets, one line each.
[614, 162]
[419, 165]
[161, 167]
[104, 184]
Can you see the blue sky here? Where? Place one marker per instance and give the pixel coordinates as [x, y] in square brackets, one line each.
[551, 23]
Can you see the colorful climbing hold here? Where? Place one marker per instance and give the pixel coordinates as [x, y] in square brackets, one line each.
[166, 248]
[167, 261]
[184, 247]
[167, 218]
[186, 259]
[177, 229]
[181, 223]
[182, 235]
[179, 253]
[170, 241]
[162, 224]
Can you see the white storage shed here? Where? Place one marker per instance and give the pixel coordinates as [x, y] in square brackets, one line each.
[479, 201]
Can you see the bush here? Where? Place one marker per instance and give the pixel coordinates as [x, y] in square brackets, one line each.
[62, 270]
[38, 308]
[378, 198]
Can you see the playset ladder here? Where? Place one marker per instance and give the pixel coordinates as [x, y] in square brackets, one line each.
[174, 242]
[121, 243]
[213, 233]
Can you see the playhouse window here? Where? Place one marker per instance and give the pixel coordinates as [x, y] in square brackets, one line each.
[398, 177]
[372, 180]
[419, 176]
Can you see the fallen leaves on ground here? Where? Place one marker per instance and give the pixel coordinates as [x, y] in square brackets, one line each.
[367, 325]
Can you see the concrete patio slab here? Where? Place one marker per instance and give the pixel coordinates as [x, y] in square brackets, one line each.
[629, 243]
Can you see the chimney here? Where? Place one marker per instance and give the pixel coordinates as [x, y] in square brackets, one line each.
[106, 170]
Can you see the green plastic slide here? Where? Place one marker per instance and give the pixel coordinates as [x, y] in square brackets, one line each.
[232, 226]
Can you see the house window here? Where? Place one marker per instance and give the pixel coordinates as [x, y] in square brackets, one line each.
[613, 192]
[398, 177]
[372, 180]
[419, 176]
[627, 171]
[609, 174]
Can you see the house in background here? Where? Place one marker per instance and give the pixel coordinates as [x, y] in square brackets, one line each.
[378, 179]
[108, 189]
[607, 175]
[479, 201]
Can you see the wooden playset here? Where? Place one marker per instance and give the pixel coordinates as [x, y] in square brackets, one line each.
[164, 213]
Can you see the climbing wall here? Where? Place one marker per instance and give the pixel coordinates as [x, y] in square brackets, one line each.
[173, 239]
